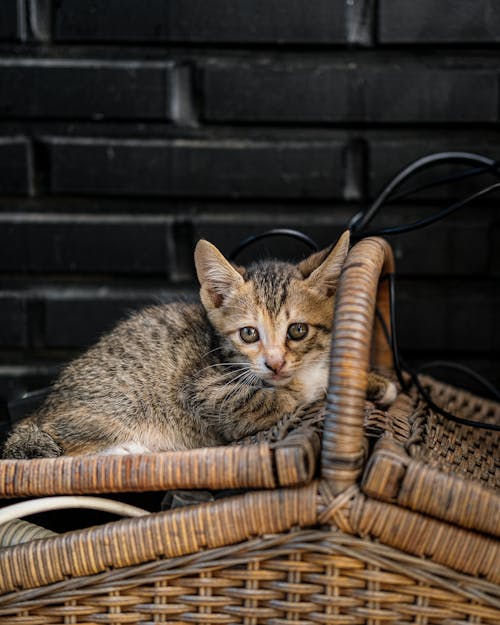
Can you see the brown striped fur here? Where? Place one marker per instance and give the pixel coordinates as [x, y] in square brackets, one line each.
[178, 376]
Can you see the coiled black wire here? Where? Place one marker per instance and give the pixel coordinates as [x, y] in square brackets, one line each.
[361, 220]
[400, 365]
[287, 232]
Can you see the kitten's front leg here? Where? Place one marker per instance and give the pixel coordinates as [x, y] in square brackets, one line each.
[236, 408]
[381, 390]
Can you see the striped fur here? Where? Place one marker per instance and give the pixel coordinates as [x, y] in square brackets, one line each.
[179, 376]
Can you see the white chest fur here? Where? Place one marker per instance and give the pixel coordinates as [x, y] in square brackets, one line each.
[313, 380]
[130, 447]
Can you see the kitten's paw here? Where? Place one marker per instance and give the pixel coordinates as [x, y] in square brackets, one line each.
[389, 397]
[28, 441]
[381, 390]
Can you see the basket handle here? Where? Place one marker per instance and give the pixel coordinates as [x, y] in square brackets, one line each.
[360, 290]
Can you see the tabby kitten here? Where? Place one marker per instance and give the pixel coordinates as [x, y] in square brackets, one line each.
[185, 375]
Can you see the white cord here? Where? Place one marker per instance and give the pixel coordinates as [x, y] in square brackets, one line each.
[34, 506]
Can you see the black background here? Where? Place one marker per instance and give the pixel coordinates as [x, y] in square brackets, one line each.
[130, 128]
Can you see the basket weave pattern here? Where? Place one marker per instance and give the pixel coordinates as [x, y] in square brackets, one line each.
[306, 577]
[394, 518]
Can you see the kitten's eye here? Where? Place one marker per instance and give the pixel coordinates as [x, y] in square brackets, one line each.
[249, 334]
[297, 331]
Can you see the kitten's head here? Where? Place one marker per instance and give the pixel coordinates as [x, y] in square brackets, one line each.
[273, 315]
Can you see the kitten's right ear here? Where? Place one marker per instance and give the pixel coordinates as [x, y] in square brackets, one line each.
[216, 274]
[326, 276]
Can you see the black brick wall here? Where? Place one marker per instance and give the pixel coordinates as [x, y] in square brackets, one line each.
[128, 129]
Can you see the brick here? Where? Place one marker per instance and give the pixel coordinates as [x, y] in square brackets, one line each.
[495, 249]
[13, 321]
[83, 89]
[181, 246]
[14, 166]
[360, 18]
[387, 156]
[431, 95]
[78, 320]
[448, 316]
[392, 93]
[85, 244]
[40, 20]
[197, 168]
[8, 20]
[447, 21]
[77, 323]
[218, 21]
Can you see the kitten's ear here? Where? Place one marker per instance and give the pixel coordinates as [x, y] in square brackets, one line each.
[312, 262]
[216, 274]
[322, 269]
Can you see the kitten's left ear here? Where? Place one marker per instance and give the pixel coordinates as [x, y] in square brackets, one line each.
[217, 276]
[325, 276]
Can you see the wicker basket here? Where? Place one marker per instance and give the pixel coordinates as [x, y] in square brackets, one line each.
[394, 518]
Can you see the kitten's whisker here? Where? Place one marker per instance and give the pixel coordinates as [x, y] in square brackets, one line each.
[222, 379]
[216, 349]
[240, 382]
[242, 374]
[223, 364]
[234, 372]
[239, 373]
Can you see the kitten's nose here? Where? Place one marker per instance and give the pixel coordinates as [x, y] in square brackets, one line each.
[275, 365]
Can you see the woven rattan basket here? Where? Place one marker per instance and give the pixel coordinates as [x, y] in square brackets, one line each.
[384, 517]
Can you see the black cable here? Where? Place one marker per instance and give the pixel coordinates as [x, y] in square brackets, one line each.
[427, 221]
[445, 364]
[468, 173]
[288, 232]
[420, 164]
[423, 392]
[475, 171]
[362, 219]
[399, 365]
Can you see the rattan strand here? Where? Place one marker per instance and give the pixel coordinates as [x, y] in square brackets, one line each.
[392, 477]
[412, 532]
[304, 576]
[344, 444]
[19, 531]
[243, 466]
[172, 533]
[427, 463]
[470, 452]
[234, 519]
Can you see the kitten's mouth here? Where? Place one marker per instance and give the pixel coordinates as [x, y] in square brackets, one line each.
[277, 379]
